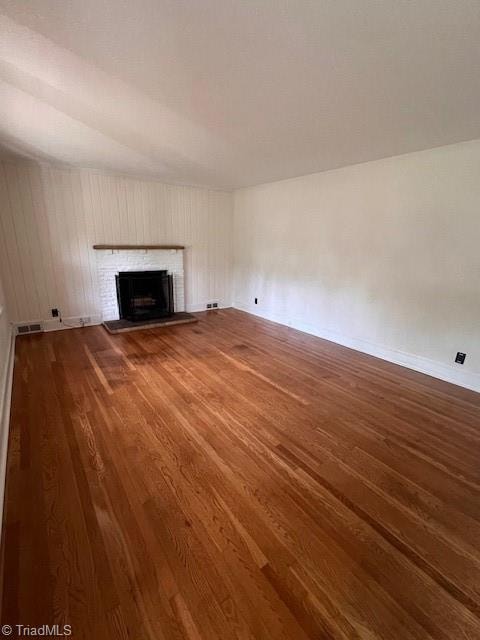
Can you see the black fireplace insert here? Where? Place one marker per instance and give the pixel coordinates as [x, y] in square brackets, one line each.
[144, 295]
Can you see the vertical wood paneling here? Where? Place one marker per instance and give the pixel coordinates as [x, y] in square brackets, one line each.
[13, 251]
[50, 217]
[5, 342]
[6, 266]
[40, 227]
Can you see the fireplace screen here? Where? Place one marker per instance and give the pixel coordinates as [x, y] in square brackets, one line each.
[144, 295]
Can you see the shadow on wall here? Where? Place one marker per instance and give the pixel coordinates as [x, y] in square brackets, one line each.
[412, 319]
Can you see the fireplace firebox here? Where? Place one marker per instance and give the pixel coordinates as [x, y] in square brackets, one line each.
[144, 295]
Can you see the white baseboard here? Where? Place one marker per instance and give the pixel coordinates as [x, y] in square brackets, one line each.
[54, 324]
[5, 401]
[449, 373]
[72, 322]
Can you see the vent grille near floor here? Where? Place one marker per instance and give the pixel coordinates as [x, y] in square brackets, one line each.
[29, 328]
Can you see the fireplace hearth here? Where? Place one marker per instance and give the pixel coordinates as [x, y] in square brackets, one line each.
[144, 295]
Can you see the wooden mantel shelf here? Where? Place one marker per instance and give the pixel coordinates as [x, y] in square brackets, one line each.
[132, 247]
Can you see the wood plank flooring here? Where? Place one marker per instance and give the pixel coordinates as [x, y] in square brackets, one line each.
[238, 479]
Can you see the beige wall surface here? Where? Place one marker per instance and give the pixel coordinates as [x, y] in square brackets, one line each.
[382, 256]
[6, 364]
[5, 338]
[50, 217]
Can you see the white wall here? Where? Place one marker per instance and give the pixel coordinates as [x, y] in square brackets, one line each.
[382, 256]
[50, 217]
[6, 367]
[5, 340]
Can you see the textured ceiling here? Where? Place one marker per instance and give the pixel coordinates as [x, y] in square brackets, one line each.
[228, 93]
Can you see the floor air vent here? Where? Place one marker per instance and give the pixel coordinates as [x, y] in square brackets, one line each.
[29, 328]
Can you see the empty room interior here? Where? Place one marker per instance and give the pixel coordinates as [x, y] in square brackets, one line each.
[240, 319]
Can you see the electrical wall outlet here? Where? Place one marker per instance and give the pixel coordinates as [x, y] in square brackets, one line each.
[256, 300]
[55, 313]
[460, 357]
[214, 305]
[209, 305]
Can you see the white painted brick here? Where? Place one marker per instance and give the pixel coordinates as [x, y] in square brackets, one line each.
[109, 263]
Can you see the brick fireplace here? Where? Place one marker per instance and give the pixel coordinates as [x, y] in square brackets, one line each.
[112, 261]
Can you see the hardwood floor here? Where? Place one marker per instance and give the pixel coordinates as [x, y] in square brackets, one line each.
[238, 479]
